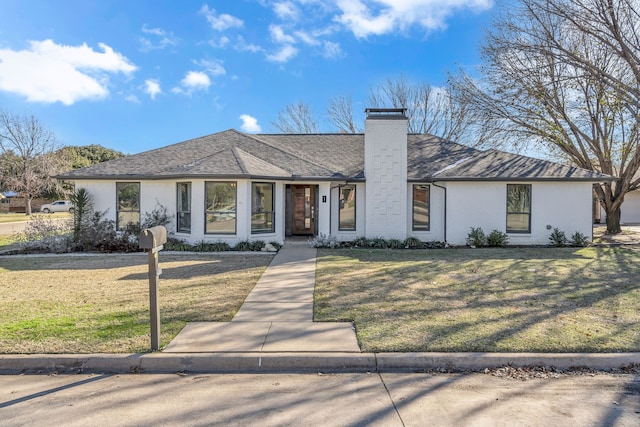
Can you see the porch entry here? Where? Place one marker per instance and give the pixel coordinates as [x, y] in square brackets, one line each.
[301, 210]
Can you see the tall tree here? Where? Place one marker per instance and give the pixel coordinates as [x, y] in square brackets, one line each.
[87, 155]
[29, 155]
[564, 74]
[297, 118]
[340, 114]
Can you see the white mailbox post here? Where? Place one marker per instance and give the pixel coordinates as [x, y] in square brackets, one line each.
[152, 240]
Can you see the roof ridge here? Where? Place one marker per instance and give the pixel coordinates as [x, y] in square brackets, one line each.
[239, 153]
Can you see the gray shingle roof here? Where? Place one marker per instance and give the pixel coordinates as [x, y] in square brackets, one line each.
[233, 154]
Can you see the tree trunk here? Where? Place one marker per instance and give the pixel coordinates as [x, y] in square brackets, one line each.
[27, 208]
[613, 220]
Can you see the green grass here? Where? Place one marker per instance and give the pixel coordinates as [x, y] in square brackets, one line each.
[523, 300]
[100, 304]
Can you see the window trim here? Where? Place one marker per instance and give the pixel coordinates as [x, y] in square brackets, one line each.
[178, 206]
[528, 230]
[206, 211]
[355, 207]
[118, 210]
[272, 212]
[413, 207]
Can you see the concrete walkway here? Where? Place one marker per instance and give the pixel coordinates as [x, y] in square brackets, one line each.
[277, 316]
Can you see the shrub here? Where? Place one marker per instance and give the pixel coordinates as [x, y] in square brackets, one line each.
[378, 242]
[243, 246]
[158, 216]
[558, 238]
[412, 243]
[174, 244]
[395, 244]
[257, 245]
[361, 241]
[43, 234]
[321, 241]
[497, 239]
[476, 238]
[275, 244]
[579, 239]
[435, 245]
[219, 246]
[82, 211]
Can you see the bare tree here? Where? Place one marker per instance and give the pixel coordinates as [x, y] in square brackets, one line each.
[340, 113]
[297, 118]
[562, 74]
[430, 109]
[29, 156]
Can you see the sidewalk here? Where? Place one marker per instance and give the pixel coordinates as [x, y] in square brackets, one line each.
[277, 316]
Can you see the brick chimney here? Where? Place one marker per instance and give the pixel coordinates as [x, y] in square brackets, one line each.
[385, 169]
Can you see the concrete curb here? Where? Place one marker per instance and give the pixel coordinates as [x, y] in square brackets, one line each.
[302, 362]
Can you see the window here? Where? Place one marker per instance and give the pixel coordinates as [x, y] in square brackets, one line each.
[420, 207]
[347, 212]
[184, 207]
[518, 208]
[262, 208]
[128, 204]
[220, 207]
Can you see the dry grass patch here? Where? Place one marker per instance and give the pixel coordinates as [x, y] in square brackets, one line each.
[87, 304]
[533, 299]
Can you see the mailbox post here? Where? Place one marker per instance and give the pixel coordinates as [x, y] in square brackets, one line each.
[152, 240]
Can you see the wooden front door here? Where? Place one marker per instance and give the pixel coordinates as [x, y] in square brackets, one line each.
[303, 209]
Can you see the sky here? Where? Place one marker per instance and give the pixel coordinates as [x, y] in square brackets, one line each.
[134, 75]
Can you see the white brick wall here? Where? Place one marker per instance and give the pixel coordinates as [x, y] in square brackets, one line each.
[385, 167]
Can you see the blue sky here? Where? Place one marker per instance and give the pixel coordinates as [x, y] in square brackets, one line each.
[137, 75]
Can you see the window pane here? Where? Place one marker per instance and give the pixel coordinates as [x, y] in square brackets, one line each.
[184, 207]
[262, 208]
[519, 208]
[128, 196]
[126, 218]
[421, 207]
[221, 196]
[220, 207]
[347, 212]
[221, 223]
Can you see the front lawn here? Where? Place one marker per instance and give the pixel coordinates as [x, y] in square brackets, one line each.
[88, 304]
[515, 299]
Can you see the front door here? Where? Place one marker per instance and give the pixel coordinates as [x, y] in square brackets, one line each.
[303, 209]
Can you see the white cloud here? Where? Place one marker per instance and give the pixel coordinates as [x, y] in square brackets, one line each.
[241, 45]
[331, 50]
[285, 53]
[132, 98]
[193, 81]
[250, 124]
[306, 38]
[286, 10]
[220, 22]
[221, 43]
[164, 39]
[213, 66]
[376, 17]
[152, 87]
[49, 72]
[278, 35]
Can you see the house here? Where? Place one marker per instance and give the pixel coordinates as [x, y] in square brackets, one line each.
[232, 186]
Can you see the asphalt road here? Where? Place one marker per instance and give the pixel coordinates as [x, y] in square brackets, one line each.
[319, 400]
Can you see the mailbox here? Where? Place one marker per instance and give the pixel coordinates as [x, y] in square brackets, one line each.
[152, 237]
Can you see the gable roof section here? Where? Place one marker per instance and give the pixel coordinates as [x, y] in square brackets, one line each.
[233, 154]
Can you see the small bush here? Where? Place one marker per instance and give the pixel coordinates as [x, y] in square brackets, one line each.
[395, 244]
[257, 245]
[219, 246]
[243, 246]
[275, 244]
[158, 216]
[43, 234]
[361, 242]
[558, 238]
[476, 238]
[322, 241]
[378, 242]
[435, 245]
[174, 244]
[412, 243]
[497, 239]
[579, 239]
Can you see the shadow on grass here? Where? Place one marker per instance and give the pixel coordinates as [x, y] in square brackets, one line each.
[533, 299]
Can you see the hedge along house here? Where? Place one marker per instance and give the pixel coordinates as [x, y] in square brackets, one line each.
[231, 186]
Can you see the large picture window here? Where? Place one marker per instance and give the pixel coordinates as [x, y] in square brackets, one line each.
[518, 208]
[262, 211]
[347, 211]
[184, 207]
[220, 207]
[420, 207]
[127, 204]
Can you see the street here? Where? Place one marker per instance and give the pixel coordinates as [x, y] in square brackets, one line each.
[387, 399]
